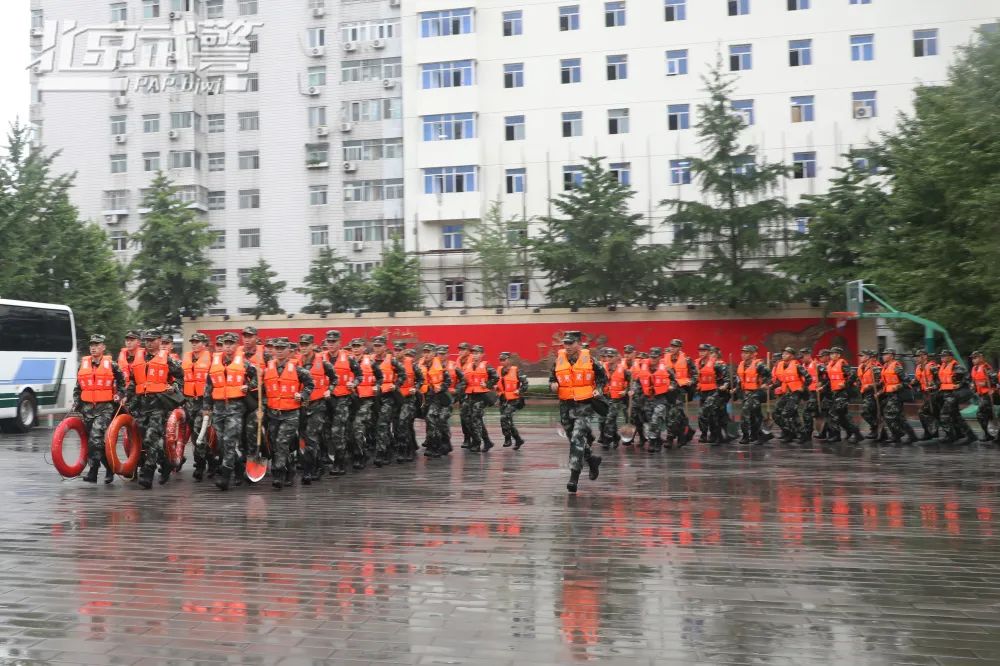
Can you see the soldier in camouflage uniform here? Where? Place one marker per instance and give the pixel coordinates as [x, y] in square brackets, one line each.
[659, 403]
[954, 388]
[752, 378]
[413, 382]
[149, 382]
[510, 389]
[480, 377]
[790, 384]
[287, 387]
[464, 407]
[925, 380]
[868, 377]
[256, 352]
[313, 413]
[685, 375]
[230, 378]
[348, 377]
[713, 377]
[619, 380]
[393, 374]
[195, 365]
[366, 405]
[577, 379]
[890, 385]
[841, 377]
[100, 387]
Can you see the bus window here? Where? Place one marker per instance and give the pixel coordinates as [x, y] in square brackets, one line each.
[35, 329]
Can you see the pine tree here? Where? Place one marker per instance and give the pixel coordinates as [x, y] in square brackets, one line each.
[395, 285]
[260, 283]
[172, 268]
[499, 245]
[737, 222]
[331, 286]
[591, 253]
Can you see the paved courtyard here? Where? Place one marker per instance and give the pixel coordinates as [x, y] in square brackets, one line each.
[779, 555]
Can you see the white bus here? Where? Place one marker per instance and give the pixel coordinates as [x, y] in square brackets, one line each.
[38, 362]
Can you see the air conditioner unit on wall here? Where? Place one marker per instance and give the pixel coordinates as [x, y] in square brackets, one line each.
[317, 51]
[378, 43]
[346, 127]
[350, 46]
[120, 138]
[312, 91]
[319, 12]
[350, 166]
[322, 130]
[388, 83]
[862, 112]
[121, 101]
[173, 135]
[394, 3]
[359, 246]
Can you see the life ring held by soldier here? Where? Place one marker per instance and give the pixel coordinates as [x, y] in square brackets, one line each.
[133, 445]
[69, 469]
[176, 435]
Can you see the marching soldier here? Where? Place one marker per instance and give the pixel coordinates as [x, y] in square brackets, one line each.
[437, 401]
[841, 376]
[167, 342]
[150, 375]
[287, 387]
[100, 385]
[684, 375]
[196, 364]
[752, 376]
[456, 387]
[616, 390]
[790, 381]
[984, 381]
[869, 370]
[816, 401]
[925, 379]
[462, 360]
[713, 377]
[953, 387]
[479, 377]
[511, 388]
[127, 353]
[413, 382]
[577, 379]
[364, 415]
[230, 378]
[393, 374]
[314, 411]
[663, 386]
[640, 391]
[349, 375]
[258, 355]
[891, 378]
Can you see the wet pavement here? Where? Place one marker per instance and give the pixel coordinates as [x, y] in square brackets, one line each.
[779, 555]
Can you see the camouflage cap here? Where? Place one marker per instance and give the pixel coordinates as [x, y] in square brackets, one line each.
[836, 350]
[920, 352]
[573, 334]
[378, 340]
[306, 339]
[824, 351]
[150, 335]
[806, 350]
[748, 348]
[440, 349]
[642, 355]
[676, 342]
[166, 336]
[230, 337]
[198, 337]
[410, 352]
[655, 351]
[463, 345]
[629, 349]
[478, 349]
[569, 339]
[398, 345]
[333, 334]
[611, 351]
[281, 343]
[789, 350]
[132, 334]
[975, 354]
[946, 352]
[270, 342]
[704, 347]
[97, 339]
[357, 342]
[892, 350]
[504, 356]
[428, 347]
[220, 338]
[249, 330]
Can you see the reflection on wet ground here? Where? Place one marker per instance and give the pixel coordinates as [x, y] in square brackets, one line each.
[813, 555]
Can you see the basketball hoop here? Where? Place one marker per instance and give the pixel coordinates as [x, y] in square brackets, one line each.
[843, 317]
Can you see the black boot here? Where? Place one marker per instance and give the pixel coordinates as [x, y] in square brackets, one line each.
[289, 475]
[518, 443]
[594, 462]
[307, 475]
[165, 470]
[199, 472]
[277, 478]
[339, 469]
[146, 479]
[223, 478]
[91, 475]
[109, 474]
[574, 479]
[507, 443]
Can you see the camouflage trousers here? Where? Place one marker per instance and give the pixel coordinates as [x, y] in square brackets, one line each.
[658, 408]
[952, 423]
[984, 413]
[578, 415]
[150, 416]
[712, 415]
[507, 410]
[385, 423]
[870, 410]
[192, 413]
[677, 418]
[930, 412]
[751, 416]
[477, 425]
[895, 420]
[364, 419]
[839, 418]
[248, 443]
[438, 413]
[97, 417]
[314, 427]
[340, 427]
[227, 419]
[609, 423]
[406, 436]
[815, 408]
[283, 431]
[639, 415]
[464, 417]
[786, 415]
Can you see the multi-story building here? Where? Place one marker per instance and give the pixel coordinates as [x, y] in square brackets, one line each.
[303, 152]
[504, 100]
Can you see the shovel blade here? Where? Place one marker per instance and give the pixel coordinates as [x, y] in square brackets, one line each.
[256, 469]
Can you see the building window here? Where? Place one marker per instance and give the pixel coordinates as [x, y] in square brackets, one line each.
[863, 104]
[861, 2]
[513, 75]
[247, 7]
[317, 76]
[512, 23]
[217, 276]
[862, 47]
[216, 123]
[242, 279]
[446, 22]
[119, 124]
[799, 52]
[319, 235]
[451, 74]
[185, 120]
[617, 121]
[569, 70]
[449, 127]
[249, 237]
[316, 37]
[253, 39]
[446, 180]
[680, 172]
[214, 9]
[317, 153]
[864, 162]
[569, 18]
[116, 200]
[517, 289]
[572, 176]
[318, 195]
[251, 82]
[370, 150]
[216, 161]
[451, 237]
[739, 7]
[119, 163]
[925, 43]
[614, 14]
[617, 67]
[803, 109]
[740, 58]
[744, 107]
[249, 159]
[37, 19]
[372, 230]
[317, 116]
[796, 5]
[373, 190]
[678, 116]
[151, 123]
[217, 200]
[515, 181]
[513, 128]
[744, 166]
[572, 123]
[802, 224]
[150, 161]
[454, 291]
[360, 31]
[185, 159]
[119, 241]
[249, 120]
[675, 10]
[219, 243]
[119, 11]
[249, 199]
[804, 165]
[383, 108]
[622, 172]
[374, 69]
[677, 62]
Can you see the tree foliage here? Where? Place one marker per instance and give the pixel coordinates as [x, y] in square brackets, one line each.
[171, 268]
[331, 286]
[591, 252]
[260, 283]
[47, 253]
[395, 285]
[499, 245]
[739, 216]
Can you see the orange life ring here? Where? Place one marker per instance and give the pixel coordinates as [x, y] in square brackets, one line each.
[133, 445]
[69, 470]
[173, 436]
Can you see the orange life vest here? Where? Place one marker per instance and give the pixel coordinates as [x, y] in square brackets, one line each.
[749, 380]
[680, 367]
[123, 363]
[388, 374]
[866, 374]
[576, 380]
[320, 381]
[706, 374]
[282, 387]
[344, 374]
[409, 376]
[452, 369]
[475, 377]
[366, 389]
[661, 378]
[924, 375]
[256, 359]
[151, 376]
[434, 377]
[617, 386]
[509, 385]
[813, 370]
[835, 371]
[640, 372]
[96, 384]
[946, 375]
[981, 379]
[195, 373]
[890, 376]
[787, 373]
[228, 379]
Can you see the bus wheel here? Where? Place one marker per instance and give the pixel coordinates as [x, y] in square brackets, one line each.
[27, 412]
